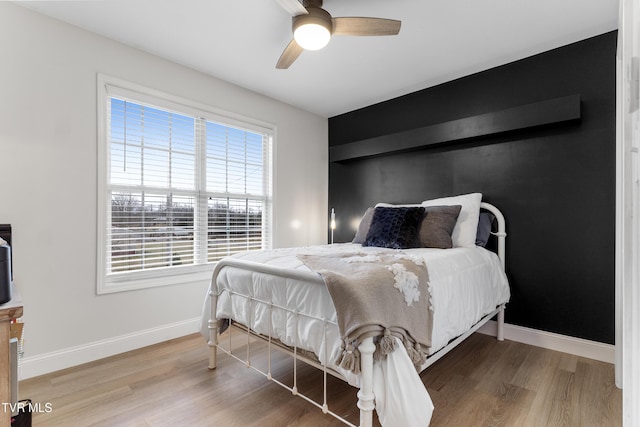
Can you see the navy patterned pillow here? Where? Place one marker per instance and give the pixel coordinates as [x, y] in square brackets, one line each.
[395, 228]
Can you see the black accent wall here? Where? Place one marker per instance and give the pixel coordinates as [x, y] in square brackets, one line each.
[555, 184]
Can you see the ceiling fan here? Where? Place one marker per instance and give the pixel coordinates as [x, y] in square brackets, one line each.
[313, 27]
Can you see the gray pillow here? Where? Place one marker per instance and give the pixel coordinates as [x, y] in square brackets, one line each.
[363, 228]
[484, 228]
[437, 226]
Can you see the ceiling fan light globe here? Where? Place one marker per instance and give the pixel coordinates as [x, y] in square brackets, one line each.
[312, 36]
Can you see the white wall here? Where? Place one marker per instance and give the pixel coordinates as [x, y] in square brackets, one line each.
[48, 185]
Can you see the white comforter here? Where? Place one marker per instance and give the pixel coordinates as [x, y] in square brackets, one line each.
[466, 284]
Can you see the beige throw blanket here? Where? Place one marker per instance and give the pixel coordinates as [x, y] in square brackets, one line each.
[380, 294]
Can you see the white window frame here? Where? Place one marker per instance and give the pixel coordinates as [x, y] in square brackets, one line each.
[108, 86]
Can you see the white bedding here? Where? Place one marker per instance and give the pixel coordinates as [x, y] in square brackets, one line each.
[466, 284]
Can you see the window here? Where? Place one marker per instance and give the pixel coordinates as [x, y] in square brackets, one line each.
[181, 187]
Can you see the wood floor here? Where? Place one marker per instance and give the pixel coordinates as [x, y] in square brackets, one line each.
[483, 382]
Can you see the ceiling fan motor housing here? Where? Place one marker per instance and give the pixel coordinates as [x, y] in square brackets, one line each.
[317, 16]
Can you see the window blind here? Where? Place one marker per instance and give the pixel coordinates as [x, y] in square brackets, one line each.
[182, 189]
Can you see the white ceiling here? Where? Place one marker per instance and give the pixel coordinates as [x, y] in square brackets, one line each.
[240, 41]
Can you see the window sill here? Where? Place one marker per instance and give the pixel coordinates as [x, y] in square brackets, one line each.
[155, 278]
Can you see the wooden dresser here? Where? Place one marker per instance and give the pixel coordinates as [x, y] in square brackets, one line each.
[8, 311]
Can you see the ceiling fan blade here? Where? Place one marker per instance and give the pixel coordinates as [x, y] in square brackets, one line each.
[290, 54]
[359, 26]
[294, 7]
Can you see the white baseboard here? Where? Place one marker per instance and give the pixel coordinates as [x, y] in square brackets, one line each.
[56, 360]
[551, 341]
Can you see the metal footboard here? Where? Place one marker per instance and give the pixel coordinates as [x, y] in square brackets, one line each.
[366, 348]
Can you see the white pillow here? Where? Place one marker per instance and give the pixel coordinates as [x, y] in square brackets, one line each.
[391, 205]
[464, 233]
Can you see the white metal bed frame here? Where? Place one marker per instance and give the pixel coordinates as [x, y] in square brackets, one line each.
[366, 348]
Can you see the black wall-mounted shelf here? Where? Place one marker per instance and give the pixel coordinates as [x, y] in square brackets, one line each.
[543, 113]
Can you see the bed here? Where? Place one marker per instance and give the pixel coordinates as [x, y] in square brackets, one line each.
[285, 299]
